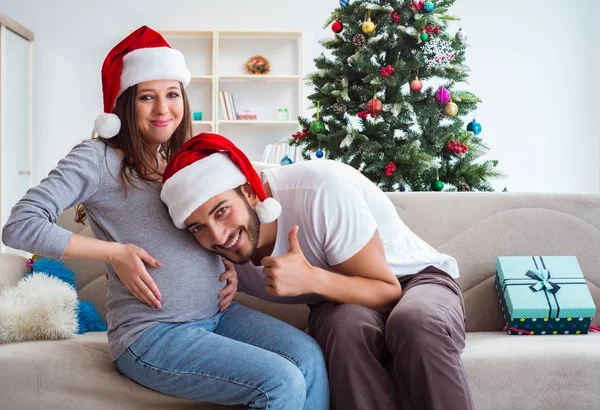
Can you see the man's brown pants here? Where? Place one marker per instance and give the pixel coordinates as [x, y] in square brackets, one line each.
[378, 361]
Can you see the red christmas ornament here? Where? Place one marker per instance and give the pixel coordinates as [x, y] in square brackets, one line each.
[431, 30]
[415, 85]
[374, 106]
[300, 135]
[457, 147]
[386, 71]
[390, 168]
[365, 114]
[337, 26]
[395, 17]
[417, 6]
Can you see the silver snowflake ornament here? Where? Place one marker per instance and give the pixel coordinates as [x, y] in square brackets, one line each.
[438, 53]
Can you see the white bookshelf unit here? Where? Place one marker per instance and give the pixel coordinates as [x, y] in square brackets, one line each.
[216, 60]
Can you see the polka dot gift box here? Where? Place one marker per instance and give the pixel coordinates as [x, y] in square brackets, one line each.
[543, 295]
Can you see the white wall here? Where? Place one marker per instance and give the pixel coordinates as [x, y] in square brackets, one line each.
[532, 64]
[593, 70]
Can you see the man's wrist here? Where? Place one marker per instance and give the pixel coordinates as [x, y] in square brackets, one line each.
[318, 281]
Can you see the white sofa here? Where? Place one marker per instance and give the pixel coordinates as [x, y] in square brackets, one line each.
[506, 372]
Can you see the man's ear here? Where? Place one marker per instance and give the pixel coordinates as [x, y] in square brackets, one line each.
[249, 194]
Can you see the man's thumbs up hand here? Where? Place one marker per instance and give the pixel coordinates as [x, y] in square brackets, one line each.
[289, 274]
[294, 246]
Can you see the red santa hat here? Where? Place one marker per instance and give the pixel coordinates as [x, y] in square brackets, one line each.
[205, 166]
[143, 56]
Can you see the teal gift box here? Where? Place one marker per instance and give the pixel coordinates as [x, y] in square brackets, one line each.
[544, 295]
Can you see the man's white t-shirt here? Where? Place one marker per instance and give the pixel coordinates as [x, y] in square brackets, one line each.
[337, 210]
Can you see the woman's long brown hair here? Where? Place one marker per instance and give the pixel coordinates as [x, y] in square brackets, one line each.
[135, 165]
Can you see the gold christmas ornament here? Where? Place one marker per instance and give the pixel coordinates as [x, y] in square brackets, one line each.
[450, 109]
[368, 27]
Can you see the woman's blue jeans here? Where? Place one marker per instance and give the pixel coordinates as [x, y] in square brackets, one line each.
[239, 356]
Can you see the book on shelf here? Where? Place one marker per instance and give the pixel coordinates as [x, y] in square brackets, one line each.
[228, 105]
[233, 109]
[223, 105]
[273, 153]
[230, 112]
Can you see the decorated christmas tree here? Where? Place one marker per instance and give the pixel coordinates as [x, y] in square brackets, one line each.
[391, 98]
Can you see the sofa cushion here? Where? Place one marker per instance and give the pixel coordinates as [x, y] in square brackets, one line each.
[12, 269]
[295, 315]
[95, 292]
[75, 374]
[533, 372]
[476, 227]
[86, 270]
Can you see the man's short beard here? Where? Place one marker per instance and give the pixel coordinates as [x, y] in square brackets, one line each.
[253, 231]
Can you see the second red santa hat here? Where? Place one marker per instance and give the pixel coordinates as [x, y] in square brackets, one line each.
[205, 166]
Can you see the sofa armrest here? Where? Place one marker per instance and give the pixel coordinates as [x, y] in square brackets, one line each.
[12, 269]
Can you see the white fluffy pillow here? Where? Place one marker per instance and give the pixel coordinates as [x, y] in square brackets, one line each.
[39, 307]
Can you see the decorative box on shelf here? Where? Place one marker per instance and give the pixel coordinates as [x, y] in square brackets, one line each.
[543, 295]
[246, 115]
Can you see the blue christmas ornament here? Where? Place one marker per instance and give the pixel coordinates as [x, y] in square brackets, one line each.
[344, 3]
[286, 161]
[474, 127]
[428, 7]
[319, 154]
